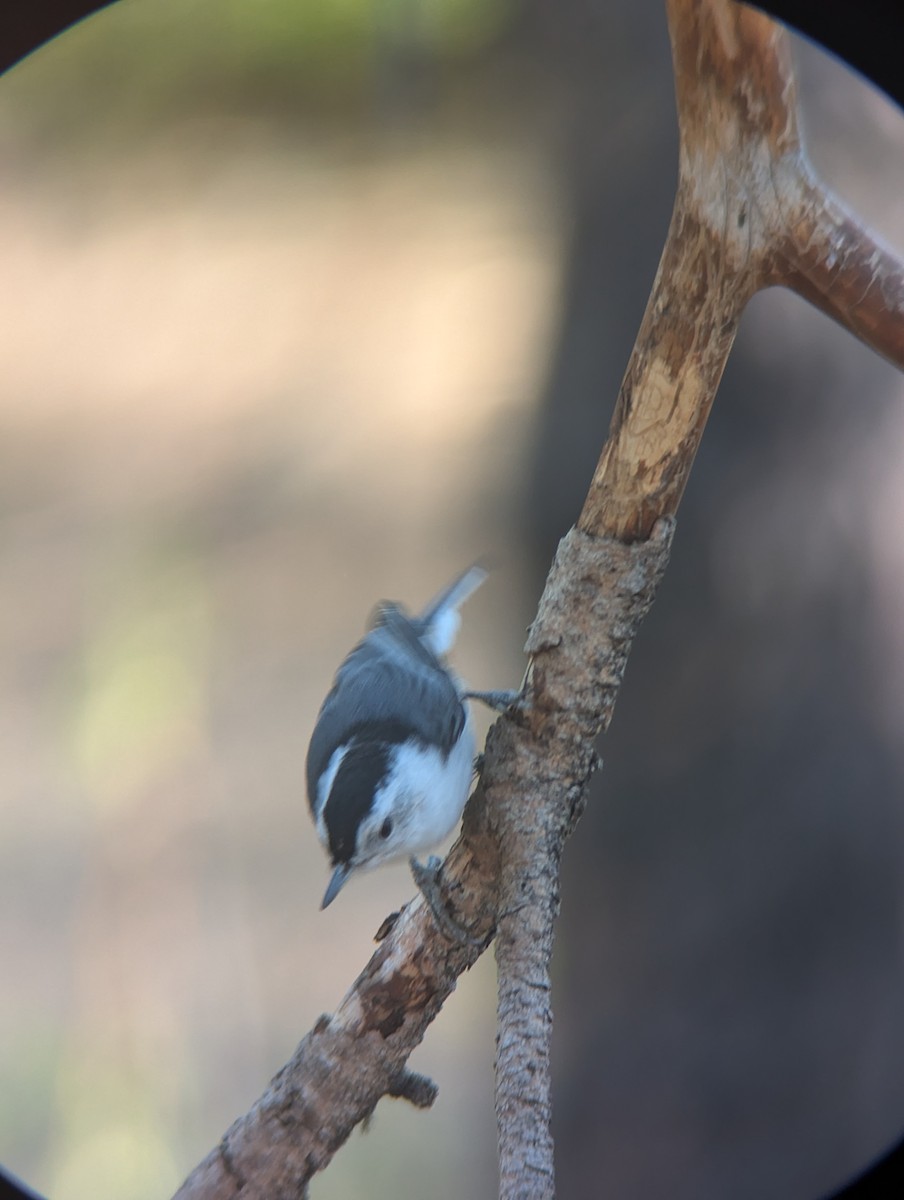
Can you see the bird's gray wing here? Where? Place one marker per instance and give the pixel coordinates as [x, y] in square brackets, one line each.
[392, 682]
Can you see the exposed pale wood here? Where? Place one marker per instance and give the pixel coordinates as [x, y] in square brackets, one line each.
[749, 213]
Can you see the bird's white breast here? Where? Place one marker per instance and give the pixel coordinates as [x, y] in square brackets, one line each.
[437, 789]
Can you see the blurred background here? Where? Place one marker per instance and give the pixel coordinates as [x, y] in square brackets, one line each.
[307, 305]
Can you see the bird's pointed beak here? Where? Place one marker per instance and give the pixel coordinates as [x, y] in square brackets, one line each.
[337, 880]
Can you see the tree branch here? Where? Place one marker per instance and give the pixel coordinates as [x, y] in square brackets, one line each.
[597, 594]
[836, 264]
[748, 213]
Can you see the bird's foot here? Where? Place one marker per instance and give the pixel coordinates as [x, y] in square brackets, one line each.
[427, 877]
[499, 701]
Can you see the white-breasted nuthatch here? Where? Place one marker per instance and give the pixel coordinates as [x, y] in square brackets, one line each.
[391, 757]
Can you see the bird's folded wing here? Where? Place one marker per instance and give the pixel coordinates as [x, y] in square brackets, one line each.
[389, 688]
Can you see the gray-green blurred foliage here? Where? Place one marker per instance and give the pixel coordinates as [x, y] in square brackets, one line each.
[140, 690]
[252, 382]
[144, 60]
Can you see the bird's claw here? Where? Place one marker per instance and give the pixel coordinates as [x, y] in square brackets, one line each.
[427, 877]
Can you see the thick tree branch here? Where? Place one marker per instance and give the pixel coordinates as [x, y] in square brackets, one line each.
[735, 94]
[748, 214]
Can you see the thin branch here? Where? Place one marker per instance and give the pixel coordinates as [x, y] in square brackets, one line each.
[842, 269]
[748, 214]
[350, 1059]
[597, 594]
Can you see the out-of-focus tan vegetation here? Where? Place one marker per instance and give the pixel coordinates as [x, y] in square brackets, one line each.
[256, 376]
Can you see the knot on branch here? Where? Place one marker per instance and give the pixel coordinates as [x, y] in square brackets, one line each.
[416, 1089]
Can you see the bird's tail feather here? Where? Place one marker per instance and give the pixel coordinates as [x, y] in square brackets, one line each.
[440, 620]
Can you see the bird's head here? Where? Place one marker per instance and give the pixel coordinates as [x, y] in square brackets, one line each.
[364, 811]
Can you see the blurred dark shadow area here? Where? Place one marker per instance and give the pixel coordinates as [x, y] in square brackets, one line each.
[307, 305]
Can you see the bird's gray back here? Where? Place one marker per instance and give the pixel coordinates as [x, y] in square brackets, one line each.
[392, 682]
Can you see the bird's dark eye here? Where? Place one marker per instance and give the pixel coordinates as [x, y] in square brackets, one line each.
[386, 828]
